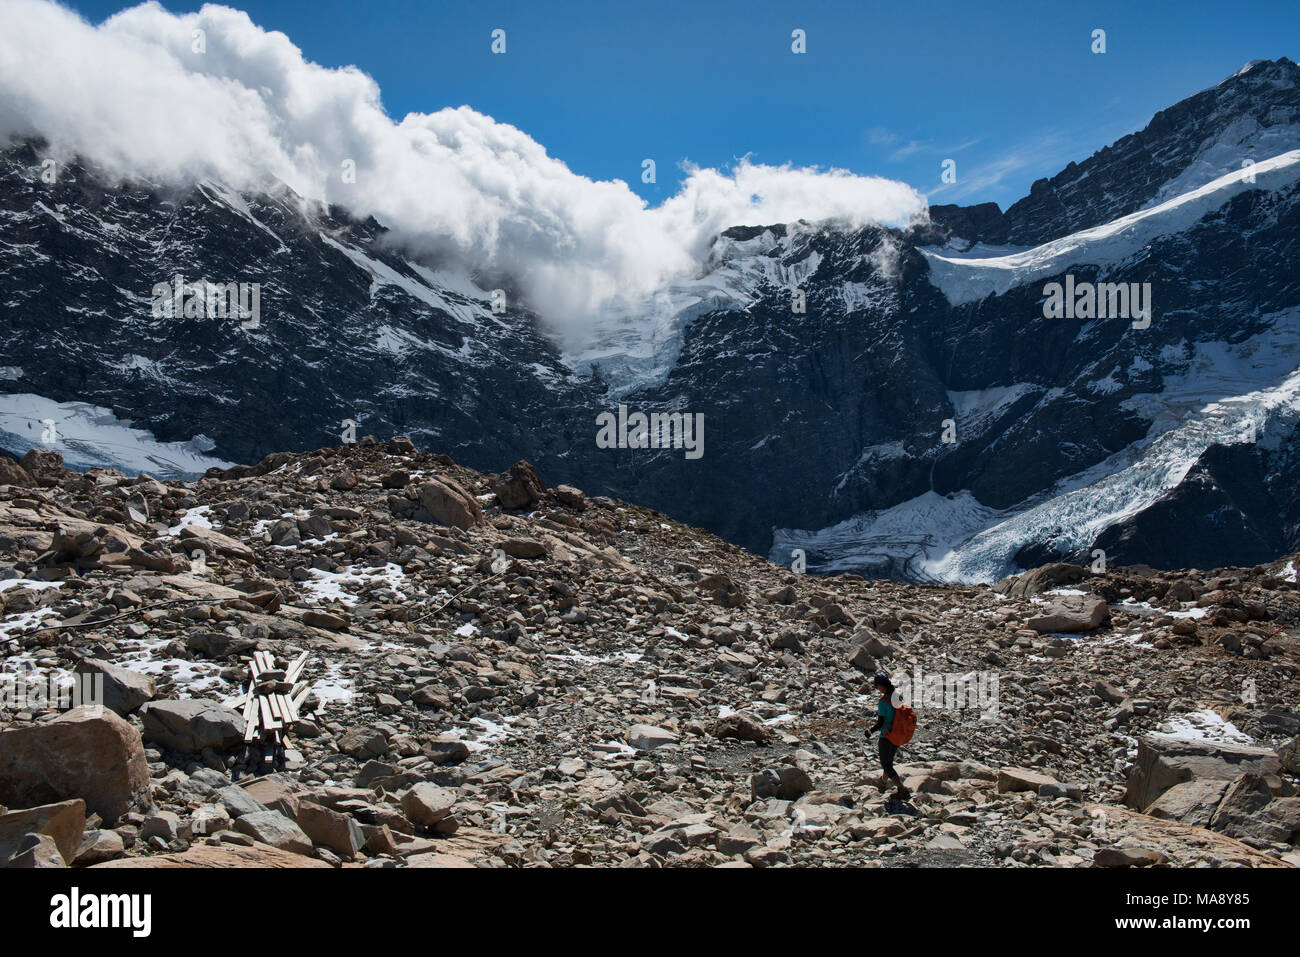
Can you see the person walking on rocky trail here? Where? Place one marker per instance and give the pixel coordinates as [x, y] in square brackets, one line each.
[889, 711]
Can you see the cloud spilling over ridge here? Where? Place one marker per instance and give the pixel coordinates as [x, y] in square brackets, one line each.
[133, 96]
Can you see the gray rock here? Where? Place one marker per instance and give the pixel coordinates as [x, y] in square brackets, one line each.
[1249, 810]
[124, 690]
[189, 726]
[1072, 614]
[1192, 802]
[164, 824]
[272, 827]
[99, 846]
[363, 743]
[237, 802]
[209, 819]
[1022, 779]
[647, 737]
[1164, 761]
[36, 851]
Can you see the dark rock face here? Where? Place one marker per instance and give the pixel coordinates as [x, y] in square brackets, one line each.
[983, 222]
[1229, 496]
[811, 418]
[333, 343]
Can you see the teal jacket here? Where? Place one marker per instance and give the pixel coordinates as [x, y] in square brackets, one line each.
[886, 712]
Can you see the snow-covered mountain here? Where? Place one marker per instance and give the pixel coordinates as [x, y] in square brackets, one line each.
[1169, 443]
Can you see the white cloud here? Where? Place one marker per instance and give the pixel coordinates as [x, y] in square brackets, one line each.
[133, 96]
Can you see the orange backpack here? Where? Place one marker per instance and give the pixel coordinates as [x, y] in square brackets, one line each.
[903, 727]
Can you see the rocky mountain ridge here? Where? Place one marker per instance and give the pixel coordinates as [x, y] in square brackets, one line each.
[826, 430]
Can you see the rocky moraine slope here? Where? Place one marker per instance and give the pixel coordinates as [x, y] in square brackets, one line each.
[498, 673]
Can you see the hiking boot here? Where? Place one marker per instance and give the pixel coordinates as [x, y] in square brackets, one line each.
[902, 793]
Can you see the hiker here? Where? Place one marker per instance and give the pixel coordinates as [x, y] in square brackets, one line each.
[890, 702]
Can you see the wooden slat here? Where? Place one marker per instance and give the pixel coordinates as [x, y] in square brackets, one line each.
[274, 701]
[269, 723]
[295, 669]
[250, 714]
[287, 709]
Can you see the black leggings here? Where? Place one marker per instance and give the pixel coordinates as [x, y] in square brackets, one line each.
[887, 749]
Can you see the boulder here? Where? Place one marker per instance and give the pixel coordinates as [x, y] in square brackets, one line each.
[738, 839]
[64, 823]
[647, 737]
[339, 832]
[1022, 779]
[449, 504]
[88, 753]
[1128, 857]
[1250, 811]
[220, 645]
[329, 621]
[42, 463]
[192, 535]
[99, 846]
[723, 589]
[124, 690]
[272, 827]
[783, 595]
[162, 824]
[523, 548]
[1164, 761]
[237, 802]
[1071, 614]
[1041, 579]
[741, 726]
[787, 783]
[570, 497]
[518, 487]
[277, 792]
[1289, 755]
[209, 819]
[427, 804]
[36, 850]
[11, 473]
[444, 749]
[189, 726]
[1192, 802]
[363, 743]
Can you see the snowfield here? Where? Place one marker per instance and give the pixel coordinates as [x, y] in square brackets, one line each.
[89, 436]
[982, 271]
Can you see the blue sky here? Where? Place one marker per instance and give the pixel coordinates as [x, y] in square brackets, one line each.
[1009, 91]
